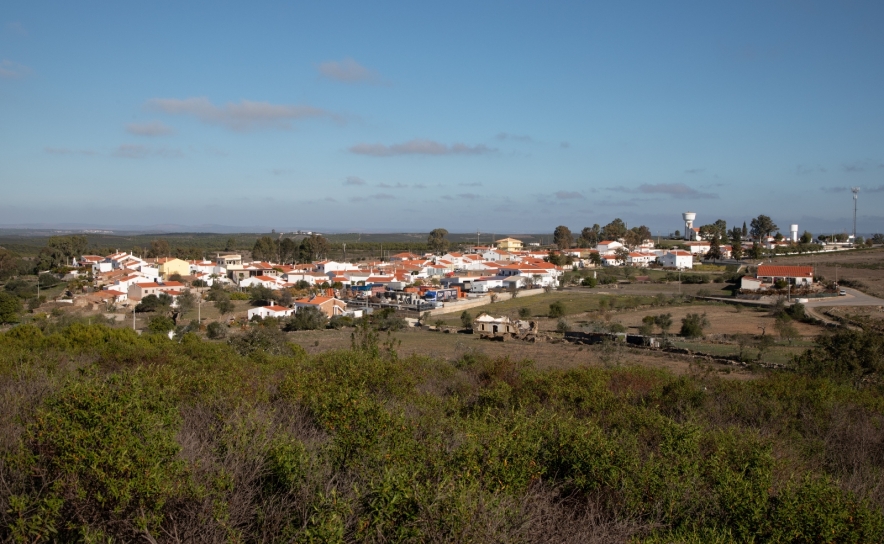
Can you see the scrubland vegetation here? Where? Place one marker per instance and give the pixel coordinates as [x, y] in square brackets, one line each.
[106, 435]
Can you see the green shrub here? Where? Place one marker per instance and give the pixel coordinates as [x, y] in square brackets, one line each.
[693, 324]
[104, 459]
[216, 330]
[160, 324]
[10, 308]
[524, 313]
[556, 309]
[307, 319]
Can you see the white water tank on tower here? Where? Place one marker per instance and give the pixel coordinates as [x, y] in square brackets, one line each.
[689, 225]
[794, 232]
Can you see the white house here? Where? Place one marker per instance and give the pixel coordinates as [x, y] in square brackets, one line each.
[264, 281]
[611, 259]
[608, 245]
[677, 259]
[270, 311]
[641, 259]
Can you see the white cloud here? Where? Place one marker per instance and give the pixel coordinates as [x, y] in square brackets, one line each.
[17, 29]
[13, 70]
[153, 128]
[353, 180]
[568, 195]
[136, 151]
[348, 71]
[420, 147]
[675, 190]
[246, 115]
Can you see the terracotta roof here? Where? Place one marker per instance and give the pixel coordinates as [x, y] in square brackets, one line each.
[276, 308]
[785, 271]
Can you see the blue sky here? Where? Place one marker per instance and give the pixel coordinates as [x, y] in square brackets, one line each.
[498, 116]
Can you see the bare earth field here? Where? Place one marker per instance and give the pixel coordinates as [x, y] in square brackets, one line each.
[864, 266]
[544, 355]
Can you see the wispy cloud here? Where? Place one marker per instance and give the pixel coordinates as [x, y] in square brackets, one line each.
[675, 190]
[354, 180]
[348, 71]
[153, 128]
[17, 29]
[136, 151]
[878, 189]
[471, 184]
[377, 196]
[242, 116]
[503, 136]
[802, 169]
[568, 195]
[419, 186]
[858, 166]
[834, 189]
[695, 171]
[420, 147]
[69, 151]
[388, 186]
[13, 70]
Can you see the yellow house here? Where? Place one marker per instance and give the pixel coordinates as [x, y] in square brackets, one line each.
[509, 244]
[170, 265]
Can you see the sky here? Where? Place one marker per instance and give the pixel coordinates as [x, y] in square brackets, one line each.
[407, 116]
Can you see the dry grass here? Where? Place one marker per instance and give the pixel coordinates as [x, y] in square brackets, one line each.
[865, 266]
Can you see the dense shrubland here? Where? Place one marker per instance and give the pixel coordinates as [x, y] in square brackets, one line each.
[109, 435]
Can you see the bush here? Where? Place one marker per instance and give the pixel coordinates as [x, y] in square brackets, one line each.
[10, 307]
[563, 326]
[160, 324]
[466, 320]
[216, 330]
[693, 324]
[524, 313]
[845, 355]
[307, 319]
[340, 321]
[271, 341]
[557, 309]
[589, 282]
[104, 459]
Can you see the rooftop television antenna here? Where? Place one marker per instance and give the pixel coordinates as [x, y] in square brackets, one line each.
[855, 191]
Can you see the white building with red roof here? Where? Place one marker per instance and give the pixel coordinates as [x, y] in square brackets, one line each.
[270, 311]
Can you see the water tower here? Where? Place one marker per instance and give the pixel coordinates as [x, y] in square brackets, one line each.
[689, 225]
[793, 232]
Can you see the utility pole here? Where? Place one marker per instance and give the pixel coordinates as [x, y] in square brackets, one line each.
[855, 191]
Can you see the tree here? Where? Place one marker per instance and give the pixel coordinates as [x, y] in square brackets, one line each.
[785, 328]
[524, 312]
[223, 303]
[693, 324]
[614, 230]
[230, 245]
[437, 241]
[847, 354]
[159, 248]
[589, 236]
[664, 321]
[737, 244]
[562, 237]
[265, 249]
[187, 301]
[288, 250]
[745, 231]
[260, 295]
[312, 247]
[154, 303]
[466, 320]
[647, 326]
[714, 253]
[806, 238]
[762, 226]
[878, 238]
[557, 309]
[10, 307]
[307, 318]
[622, 255]
[595, 259]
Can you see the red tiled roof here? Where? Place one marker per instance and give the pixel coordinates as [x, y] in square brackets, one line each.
[775, 271]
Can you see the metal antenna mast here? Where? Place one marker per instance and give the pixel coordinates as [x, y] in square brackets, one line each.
[855, 191]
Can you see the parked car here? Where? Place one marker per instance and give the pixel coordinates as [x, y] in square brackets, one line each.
[842, 292]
